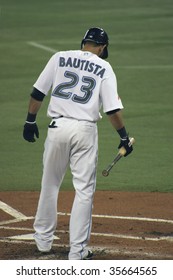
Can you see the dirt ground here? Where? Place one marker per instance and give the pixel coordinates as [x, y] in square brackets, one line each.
[126, 225]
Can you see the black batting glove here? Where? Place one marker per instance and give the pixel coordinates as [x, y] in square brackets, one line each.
[125, 142]
[30, 130]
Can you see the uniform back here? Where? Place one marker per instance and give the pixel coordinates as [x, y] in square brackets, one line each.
[80, 85]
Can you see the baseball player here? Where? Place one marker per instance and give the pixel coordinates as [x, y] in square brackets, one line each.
[81, 82]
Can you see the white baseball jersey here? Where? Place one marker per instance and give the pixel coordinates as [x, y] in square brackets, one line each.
[81, 83]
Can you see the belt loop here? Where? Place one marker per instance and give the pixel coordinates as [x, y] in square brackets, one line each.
[52, 124]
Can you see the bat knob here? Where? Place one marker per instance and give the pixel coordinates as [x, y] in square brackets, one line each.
[105, 173]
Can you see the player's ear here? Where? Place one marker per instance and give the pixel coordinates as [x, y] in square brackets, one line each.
[100, 50]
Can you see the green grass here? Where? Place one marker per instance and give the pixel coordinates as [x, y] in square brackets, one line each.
[141, 54]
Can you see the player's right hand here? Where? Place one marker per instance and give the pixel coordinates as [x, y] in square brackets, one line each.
[30, 130]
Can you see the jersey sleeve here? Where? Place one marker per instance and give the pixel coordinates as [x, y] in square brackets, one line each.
[45, 80]
[109, 94]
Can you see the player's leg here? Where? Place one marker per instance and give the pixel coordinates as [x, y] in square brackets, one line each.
[83, 165]
[55, 161]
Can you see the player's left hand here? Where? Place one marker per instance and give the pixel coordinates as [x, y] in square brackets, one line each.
[30, 130]
[125, 142]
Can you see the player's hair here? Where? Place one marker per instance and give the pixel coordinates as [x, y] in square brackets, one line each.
[94, 44]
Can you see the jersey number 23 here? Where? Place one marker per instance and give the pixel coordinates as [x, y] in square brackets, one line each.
[87, 86]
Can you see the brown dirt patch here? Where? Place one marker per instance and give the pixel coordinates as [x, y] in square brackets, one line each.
[129, 225]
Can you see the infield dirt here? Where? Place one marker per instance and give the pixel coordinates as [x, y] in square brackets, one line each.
[126, 225]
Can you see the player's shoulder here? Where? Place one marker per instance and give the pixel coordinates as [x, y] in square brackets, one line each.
[105, 63]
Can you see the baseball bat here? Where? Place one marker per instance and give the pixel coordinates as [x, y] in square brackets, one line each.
[121, 153]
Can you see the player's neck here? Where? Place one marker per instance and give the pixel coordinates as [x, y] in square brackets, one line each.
[94, 50]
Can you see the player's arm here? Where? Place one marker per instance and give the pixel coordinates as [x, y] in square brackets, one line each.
[30, 128]
[116, 120]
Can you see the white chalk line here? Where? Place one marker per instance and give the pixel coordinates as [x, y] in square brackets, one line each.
[43, 47]
[111, 235]
[126, 218]
[144, 219]
[20, 217]
[15, 221]
[51, 50]
[11, 211]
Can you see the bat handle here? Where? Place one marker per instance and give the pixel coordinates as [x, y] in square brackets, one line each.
[121, 153]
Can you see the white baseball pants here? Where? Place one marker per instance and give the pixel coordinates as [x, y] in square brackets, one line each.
[76, 143]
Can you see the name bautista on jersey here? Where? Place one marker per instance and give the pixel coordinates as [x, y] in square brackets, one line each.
[82, 65]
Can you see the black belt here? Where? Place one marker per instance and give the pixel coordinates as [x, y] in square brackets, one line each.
[57, 117]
